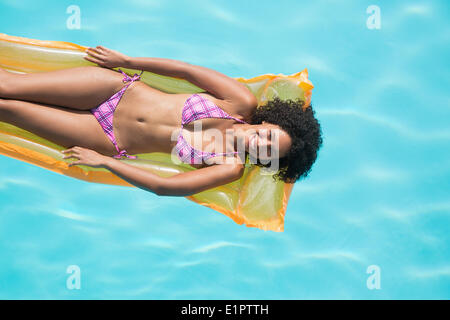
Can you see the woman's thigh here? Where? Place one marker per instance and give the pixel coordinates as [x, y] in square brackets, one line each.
[81, 88]
[62, 126]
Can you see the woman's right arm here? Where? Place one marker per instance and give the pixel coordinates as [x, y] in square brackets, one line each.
[216, 83]
[111, 59]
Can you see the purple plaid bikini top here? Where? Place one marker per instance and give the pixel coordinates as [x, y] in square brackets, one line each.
[195, 108]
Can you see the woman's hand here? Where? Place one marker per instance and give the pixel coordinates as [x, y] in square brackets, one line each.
[105, 57]
[85, 157]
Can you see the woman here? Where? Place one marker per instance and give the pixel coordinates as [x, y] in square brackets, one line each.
[60, 105]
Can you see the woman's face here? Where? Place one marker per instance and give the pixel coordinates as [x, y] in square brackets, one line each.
[267, 141]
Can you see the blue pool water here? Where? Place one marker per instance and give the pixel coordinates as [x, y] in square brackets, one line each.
[378, 194]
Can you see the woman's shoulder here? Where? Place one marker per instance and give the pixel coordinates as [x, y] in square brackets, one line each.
[242, 110]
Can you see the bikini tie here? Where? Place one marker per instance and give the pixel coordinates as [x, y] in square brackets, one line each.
[134, 78]
[126, 79]
[124, 153]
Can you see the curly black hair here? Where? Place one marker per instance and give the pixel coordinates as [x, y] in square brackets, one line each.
[304, 130]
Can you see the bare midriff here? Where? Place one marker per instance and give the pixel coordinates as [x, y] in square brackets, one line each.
[148, 120]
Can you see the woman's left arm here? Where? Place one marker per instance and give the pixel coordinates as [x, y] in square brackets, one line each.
[183, 184]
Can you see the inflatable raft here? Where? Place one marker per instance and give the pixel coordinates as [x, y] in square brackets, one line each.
[255, 200]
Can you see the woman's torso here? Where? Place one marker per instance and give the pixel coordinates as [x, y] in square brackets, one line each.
[148, 120]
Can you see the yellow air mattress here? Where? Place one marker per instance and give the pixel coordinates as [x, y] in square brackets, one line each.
[255, 200]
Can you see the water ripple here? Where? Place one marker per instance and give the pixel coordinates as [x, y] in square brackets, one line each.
[430, 273]
[218, 245]
[415, 134]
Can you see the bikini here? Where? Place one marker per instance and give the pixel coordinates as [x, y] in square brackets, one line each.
[195, 107]
[104, 113]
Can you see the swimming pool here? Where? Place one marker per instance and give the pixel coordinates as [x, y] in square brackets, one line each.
[376, 200]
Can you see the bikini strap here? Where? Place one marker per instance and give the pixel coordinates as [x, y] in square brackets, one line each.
[238, 120]
[129, 79]
[121, 153]
[203, 109]
[124, 153]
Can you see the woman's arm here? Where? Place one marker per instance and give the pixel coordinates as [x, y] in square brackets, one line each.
[182, 184]
[218, 84]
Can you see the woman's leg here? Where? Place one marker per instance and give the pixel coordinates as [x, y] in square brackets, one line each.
[81, 88]
[62, 126]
